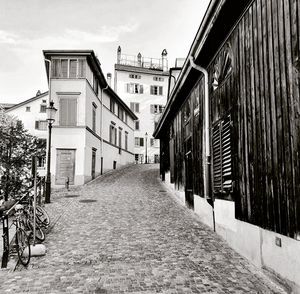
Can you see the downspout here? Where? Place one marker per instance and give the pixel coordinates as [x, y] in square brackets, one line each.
[101, 128]
[207, 168]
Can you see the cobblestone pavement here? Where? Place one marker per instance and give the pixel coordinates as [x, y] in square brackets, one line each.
[136, 238]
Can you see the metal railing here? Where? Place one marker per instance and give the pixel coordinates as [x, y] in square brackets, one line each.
[145, 62]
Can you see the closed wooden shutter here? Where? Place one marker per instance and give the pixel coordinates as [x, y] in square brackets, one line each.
[160, 90]
[36, 124]
[73, 68]
[141, 141]
[81, 68]
[151, 90]
[222, 156]
[68, 111]
[151, 108]
[64, 68]
[141, 89]
[137, 107]
[55, 68]
[63, 111]
[132, 106]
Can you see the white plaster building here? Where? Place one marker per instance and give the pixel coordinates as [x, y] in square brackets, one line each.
[32, 113]
[143, 84]
[93, 129]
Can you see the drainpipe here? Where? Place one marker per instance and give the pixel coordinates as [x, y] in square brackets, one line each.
[101, 128]
[207, 168]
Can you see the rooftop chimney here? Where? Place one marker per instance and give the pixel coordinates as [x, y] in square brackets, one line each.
[38, 93]
[109, 78]
[164, 60]
[119, 55]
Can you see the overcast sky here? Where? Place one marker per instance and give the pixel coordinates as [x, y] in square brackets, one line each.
[146, 26]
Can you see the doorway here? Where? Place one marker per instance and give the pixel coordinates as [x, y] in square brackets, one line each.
[189, 193]
[65, 166]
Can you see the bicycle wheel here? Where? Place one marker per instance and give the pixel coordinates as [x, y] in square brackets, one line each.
[23, 246]
[39, 233]
[42, 216]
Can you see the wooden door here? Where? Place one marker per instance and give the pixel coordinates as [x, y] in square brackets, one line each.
[189, 192]
[93, 163]
[65, 166]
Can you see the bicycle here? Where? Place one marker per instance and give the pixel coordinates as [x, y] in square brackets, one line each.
[22, 239]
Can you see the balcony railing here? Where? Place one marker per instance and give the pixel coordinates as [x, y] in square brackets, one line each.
[145, 62]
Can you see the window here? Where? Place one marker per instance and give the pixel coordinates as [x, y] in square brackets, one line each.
[44, 101]
[94, 108]
[160, 79]
[113, 135]
[156, 90]
[139, 141]
[135, 107]
[126, 118]
[156, 108]
[134, 88]
[155, 125]
[134, 76]
[120, 113]
[43, 108]
[221, 147]
[137, 125]
[69, 68]
[126, 141]
[152, 141]
[27, 108]
[68, 111]
[112, 105]
[41, 125]
[73, 68]
[120, 138]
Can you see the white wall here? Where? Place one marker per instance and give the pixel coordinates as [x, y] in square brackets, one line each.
[29, 118]
[146, 99]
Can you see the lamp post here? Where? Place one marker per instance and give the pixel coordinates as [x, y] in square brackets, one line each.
[146, 137]
[51, 110]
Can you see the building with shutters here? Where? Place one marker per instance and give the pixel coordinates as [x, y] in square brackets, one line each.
[32, 113]
[143, 85]
[230, 131]
[93, 129]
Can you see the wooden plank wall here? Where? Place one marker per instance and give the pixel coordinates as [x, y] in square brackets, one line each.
[262, 94]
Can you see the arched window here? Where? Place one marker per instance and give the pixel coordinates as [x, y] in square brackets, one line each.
[223, 66]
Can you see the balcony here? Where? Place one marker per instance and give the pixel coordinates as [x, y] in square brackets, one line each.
[139, 61]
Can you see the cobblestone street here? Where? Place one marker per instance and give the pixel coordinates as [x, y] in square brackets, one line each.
[134, 238]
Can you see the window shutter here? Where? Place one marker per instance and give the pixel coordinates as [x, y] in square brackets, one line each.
[151, 108]
[73, 68]
[36, 124]
[64, 68]
[226, 155]
[160, 90]
[63, 111]
[141, 141]
[110, 134]
[132, 106]
[141, 89]
[137, 107]
[222, 156]
[217, 159]
[81, 68]
[72, 112]
[55, 68]
[151, 90]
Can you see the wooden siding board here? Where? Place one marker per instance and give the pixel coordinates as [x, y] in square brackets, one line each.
[275, 179]
[295, 8]
[260, 147]
[267, 128]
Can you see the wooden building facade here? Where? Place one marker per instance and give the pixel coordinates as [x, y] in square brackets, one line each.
[251, 52]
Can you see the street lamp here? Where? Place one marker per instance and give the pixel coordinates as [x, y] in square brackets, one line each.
[51, 110]
[146, 136]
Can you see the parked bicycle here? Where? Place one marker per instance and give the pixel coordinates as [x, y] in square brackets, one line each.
[22, 239]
